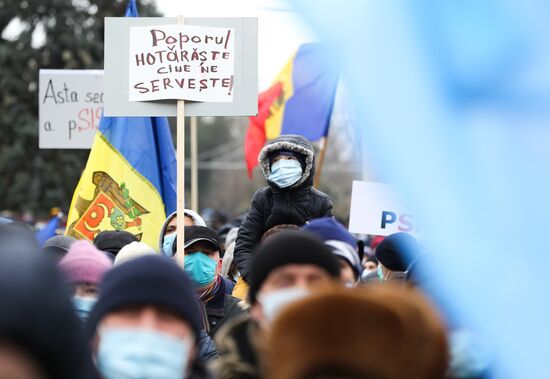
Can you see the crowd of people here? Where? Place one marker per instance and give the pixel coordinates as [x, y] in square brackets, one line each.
[285, 293]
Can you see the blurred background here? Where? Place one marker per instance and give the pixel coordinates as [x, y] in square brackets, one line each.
[68, 34]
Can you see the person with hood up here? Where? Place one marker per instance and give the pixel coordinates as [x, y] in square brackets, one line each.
[40, 336]
[288, 164]
[83, 268]
[285, 268]
[168, 230]
[146, 323]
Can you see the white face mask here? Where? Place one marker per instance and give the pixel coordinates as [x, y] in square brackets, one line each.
[274, 302]
[130, 353]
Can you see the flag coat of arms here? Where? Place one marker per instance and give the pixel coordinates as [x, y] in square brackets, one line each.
[129, 182]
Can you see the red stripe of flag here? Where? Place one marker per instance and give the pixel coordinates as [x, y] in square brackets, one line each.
[255, 135]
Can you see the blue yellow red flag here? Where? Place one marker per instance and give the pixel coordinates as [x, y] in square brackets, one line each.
[299, 101]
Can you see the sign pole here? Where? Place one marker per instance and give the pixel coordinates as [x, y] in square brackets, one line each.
[322, 150]
[194, 165]
[180, 158]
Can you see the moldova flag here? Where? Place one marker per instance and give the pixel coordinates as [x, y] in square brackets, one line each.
[129, 182]
[299, 101]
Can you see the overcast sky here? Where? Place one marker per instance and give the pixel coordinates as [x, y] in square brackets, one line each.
[280, 29]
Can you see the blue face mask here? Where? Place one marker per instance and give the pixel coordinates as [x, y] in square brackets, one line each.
[167, 243]
[142, 354]
[285, 172]
[200, 268]
[83, 306]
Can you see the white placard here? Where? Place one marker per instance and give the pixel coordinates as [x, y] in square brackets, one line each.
[70, 105]
[184, 62]
[375, 210]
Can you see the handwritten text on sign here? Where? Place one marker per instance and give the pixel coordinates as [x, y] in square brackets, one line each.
[70, 107]
[181, 62]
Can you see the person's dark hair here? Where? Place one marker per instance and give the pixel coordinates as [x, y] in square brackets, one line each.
[372, 258]
[277, 229]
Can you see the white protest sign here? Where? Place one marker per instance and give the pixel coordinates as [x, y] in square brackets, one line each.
[70, 105]
[375, 210]
[183, 62]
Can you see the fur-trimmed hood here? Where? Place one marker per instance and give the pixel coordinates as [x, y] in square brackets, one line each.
[295, 143]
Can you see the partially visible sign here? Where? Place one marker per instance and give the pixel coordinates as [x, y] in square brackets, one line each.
[70, 105]
[183, 62]
[376, 211]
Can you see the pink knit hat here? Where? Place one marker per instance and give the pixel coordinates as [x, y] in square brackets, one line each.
[84, 263]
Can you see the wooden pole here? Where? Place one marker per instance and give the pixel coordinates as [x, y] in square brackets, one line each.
[180, 157]
[322, 150]
[194, 166]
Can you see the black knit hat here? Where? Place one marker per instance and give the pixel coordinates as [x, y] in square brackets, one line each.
[289, 247]
[149, 280]
[397, 251]
[112, 241]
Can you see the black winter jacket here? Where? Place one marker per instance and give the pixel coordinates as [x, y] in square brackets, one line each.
[222, 308]
[272, 205]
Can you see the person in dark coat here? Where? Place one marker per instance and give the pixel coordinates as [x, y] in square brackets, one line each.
[203, 265]
[288, 163]
[40, 335]
[146, 323]
[286, 267]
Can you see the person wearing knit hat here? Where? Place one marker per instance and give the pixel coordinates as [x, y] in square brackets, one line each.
[83, 268]
[342, 244]
[57, 246]
[385, 332]
[395, 254]
[146, 322]
[132, 251]
[285, 268]
[111, 241]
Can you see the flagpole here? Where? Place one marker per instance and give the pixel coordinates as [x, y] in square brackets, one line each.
[180, 157]
[322, 150]
[194, 165]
